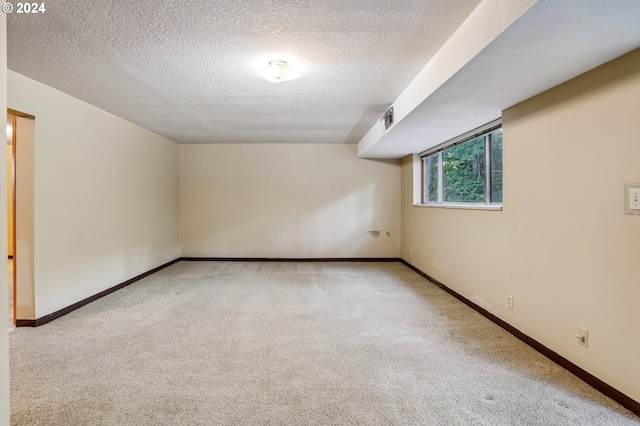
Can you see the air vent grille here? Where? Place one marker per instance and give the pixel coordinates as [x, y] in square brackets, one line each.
[388, 118]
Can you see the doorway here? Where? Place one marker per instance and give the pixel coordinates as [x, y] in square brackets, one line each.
[21, 217]
[11, 225]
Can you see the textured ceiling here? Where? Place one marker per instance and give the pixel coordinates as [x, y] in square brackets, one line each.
[190, 70]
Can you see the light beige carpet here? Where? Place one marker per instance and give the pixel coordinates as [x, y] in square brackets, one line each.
[253, 343]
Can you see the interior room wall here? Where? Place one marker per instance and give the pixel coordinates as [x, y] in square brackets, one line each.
[4, 300]
[106, 196]
[242, 200]
[562, 246]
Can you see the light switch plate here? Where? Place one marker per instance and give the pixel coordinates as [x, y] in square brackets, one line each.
[632, 198]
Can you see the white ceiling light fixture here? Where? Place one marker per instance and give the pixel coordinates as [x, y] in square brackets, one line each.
[279, 71]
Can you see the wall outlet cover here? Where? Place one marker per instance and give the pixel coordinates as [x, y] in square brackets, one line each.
[632, 199]
[583, 337]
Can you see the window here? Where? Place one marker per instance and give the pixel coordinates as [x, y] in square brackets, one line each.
[465, 170]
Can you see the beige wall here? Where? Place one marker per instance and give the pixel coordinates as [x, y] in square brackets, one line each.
[242, 200]
[106, 193]
[562, 246]
[4, 340]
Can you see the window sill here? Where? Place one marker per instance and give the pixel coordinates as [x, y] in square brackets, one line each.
[493, 207]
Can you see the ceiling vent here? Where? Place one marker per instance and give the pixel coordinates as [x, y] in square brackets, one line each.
[388, 118]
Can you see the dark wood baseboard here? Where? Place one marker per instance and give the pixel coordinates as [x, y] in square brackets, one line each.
[27, 323]
[606, 389]
[48, 318]
[292, 259]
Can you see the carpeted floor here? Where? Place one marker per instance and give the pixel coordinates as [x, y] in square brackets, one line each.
[259, 343]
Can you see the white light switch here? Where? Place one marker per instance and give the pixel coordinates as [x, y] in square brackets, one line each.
[634, 199]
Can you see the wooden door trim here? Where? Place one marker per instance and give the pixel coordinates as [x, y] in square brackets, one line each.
[20, 114]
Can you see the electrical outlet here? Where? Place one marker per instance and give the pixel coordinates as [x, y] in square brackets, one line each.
[632, 199]
[298, 216]
[136, 261]
[410, 252]
[509, 301]
[583, 337]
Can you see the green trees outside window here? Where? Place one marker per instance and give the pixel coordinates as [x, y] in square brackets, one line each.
[496, 167]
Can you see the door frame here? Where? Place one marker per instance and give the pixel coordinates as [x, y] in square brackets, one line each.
[15, 114]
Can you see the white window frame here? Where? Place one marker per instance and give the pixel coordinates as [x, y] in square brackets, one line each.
[421, 159]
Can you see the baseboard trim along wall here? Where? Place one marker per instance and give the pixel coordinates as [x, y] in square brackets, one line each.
[593, 381]
[606, 389]
[57, 314]
[292, 259]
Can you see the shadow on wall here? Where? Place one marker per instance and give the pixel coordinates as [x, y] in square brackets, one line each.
[600, 80]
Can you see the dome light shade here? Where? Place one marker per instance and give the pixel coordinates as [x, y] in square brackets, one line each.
[279, 71]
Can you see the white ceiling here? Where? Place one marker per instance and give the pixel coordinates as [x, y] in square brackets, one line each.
[189, 70]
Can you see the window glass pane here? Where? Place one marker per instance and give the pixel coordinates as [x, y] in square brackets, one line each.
[496, 166]
[431, 173]
[463, 167]
[458, 174]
